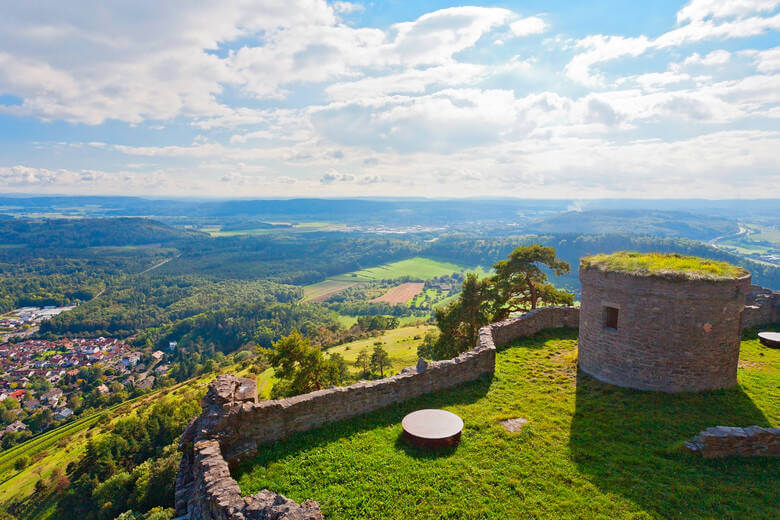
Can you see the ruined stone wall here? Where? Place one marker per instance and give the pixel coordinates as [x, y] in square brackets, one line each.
[234, 425]
[671, 335]
[761, 308]
[733, 441]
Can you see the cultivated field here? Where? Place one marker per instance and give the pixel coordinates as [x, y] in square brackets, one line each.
[401, 294]
[589, 450]
[417, 268]
[321, 291]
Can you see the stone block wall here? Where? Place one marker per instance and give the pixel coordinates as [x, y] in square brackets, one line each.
[761, 308]
[671, 335]
[731, 441]
[234, 425]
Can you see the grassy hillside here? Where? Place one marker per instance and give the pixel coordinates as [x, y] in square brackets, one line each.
[639, 222]
[590, 450]
[401, 345]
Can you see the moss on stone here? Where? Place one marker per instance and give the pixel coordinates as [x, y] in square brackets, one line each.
[664, 265]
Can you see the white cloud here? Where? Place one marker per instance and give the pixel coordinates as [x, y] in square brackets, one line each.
[701, 9]
[347, 7]
[768, 60]
[528, 26]
[334, 176]
[288, 99]
[602, 48]
[408, 81]
[714, 58]
[151, 61]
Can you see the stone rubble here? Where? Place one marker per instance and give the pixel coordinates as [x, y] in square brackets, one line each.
[733, 441]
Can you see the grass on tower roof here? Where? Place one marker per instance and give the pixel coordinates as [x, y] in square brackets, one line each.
[665, 265]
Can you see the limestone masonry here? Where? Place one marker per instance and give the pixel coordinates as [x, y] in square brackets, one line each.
[653, 333]
[234, 425]
[730, 441]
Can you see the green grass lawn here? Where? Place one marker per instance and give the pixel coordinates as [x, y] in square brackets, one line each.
[590, 450]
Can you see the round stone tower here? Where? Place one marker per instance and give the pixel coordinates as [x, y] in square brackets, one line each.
[661, 322]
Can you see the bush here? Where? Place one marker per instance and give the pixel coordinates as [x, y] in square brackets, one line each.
[21, 463]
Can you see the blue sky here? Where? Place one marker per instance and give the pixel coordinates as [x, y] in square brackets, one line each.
[313, 98]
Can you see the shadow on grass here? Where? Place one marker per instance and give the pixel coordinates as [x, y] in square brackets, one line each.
[466, 393]
[420, 453]
[630, 443]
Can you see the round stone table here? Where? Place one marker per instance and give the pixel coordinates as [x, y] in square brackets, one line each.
[770, 339]
[433, 429]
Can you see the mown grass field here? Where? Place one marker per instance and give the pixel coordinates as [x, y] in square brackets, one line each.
[590, 450]
[417, 267]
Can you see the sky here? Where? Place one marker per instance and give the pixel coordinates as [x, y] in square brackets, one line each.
[262, 99]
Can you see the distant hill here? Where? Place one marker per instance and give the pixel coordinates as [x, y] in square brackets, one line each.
[572, 246]
[89, 232]
[637, 222]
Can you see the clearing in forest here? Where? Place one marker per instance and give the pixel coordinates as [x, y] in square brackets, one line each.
[417, 267]
[401, 293]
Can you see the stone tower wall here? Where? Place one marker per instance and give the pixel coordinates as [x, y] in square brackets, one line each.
[671, 336]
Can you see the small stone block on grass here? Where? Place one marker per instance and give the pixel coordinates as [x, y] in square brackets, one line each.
[513, 425]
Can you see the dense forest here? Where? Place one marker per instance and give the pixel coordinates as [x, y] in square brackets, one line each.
[152, 287]
[90, 232]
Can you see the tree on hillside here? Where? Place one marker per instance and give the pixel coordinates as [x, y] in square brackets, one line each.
[301, 366]
[460, 321]
[520, 284]
[363, 362]
[380, 359]
[338, 372]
